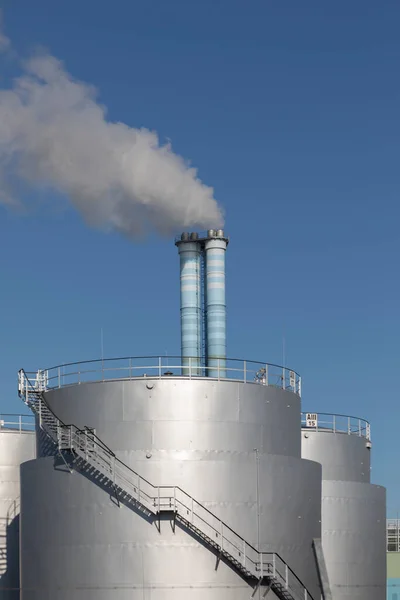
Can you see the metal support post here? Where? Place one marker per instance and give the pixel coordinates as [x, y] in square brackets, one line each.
[266, 374]
[159, 367]
[245, 371]
[267, 589]
[258, 496]
[286, 576]
[58, 435]
[283, 378]
[222, 536]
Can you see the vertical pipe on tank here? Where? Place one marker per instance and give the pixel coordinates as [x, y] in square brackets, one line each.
[215, 248]
[190, 266]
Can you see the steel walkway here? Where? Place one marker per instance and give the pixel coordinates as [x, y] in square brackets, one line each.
[261, 569]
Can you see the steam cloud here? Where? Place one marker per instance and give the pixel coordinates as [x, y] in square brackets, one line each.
[53, 133]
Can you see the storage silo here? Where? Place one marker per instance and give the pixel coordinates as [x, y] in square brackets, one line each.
[232, 444]
[353, 509]
[17, 444]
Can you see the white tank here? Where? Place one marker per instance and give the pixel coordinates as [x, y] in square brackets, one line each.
[17, 445]
[232, 445]
[353, 509]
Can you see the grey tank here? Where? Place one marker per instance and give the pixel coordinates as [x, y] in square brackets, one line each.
[353, 514]
[15, 448]
[77, 543]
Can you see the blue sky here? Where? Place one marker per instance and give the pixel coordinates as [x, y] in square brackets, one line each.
[290, 110]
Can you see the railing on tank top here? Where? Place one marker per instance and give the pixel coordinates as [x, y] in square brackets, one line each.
[336, 423]
[173, 367]
[16, 423]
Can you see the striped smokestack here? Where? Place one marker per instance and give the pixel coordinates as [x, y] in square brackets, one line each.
[215, 247]
[198, 296]
[190, 256]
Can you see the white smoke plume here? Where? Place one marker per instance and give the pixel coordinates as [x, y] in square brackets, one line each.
[54, 134]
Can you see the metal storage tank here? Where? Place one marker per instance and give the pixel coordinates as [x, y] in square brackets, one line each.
[17, 444]
[353, 509]
[233, 444]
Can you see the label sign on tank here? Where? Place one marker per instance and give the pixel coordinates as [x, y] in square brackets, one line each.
[311, 420]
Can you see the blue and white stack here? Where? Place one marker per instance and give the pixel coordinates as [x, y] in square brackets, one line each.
[192, 250]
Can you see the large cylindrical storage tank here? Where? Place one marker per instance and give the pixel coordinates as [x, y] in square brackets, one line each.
[353, 509]
[233, 446]
[17, 444]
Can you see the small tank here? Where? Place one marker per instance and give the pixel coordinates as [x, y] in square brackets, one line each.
[17, 445]
[185, 236]
[220, 233]
[211, 233]
[194, 236]
[353, 509]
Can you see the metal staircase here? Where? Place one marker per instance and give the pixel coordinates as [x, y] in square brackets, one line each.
[261, 569]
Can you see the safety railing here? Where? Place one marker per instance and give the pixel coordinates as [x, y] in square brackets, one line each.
[336, 424]
[15, 422]
[198, 236]
[158, 367]
[13, 510]
[130, 486]
[393, 535]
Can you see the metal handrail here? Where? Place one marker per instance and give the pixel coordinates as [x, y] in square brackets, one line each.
[201, 237]
[336, 423]
[130, 486]
[13, 510]
[172, 367]
[10, 422]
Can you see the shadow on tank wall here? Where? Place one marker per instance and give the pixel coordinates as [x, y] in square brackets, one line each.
[9, 559]
[67, 463]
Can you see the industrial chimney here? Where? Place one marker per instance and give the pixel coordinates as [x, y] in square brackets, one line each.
[190, 256]
[215, 314]
[202, 277]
